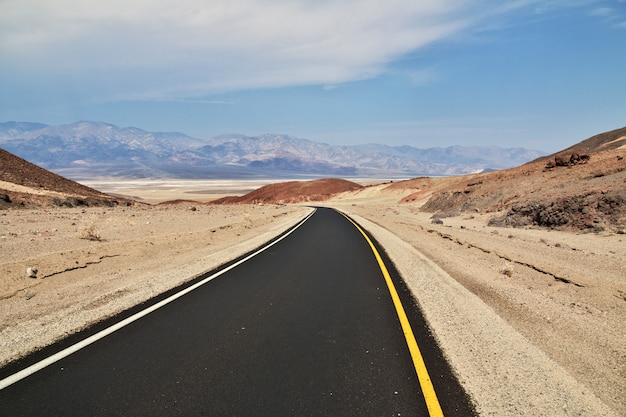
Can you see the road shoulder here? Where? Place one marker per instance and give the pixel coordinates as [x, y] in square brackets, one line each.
[503, 372]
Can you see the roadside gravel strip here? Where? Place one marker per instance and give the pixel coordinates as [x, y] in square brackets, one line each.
[501, 370]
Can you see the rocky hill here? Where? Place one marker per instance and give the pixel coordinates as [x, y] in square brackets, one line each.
[581, 188]
[23, 184]
[294, 192]
[614, 139]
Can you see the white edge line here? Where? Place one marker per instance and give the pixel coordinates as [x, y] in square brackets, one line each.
[12, 379]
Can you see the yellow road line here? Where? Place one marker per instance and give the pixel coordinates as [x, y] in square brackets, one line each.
[434, 409]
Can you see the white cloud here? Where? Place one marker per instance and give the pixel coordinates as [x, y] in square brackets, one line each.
[602, 11]
[171, 48]
[610, 15]
[423, 77]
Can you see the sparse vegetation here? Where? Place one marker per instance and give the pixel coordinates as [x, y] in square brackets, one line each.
[91, 232]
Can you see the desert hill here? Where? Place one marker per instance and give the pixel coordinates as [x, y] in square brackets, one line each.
[25, 184]
[586, 192]
[613, 139]
[294, 192]
[581, 188]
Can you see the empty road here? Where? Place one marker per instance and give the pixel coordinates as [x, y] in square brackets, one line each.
[306, 327]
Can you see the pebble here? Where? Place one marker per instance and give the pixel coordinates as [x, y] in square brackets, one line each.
[31, 272]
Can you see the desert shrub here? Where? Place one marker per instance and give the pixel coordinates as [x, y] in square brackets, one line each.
[90, 232]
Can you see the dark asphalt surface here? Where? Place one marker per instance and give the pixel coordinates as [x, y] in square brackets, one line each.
[306, 328]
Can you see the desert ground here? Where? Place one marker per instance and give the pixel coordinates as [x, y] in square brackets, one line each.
[530, 318]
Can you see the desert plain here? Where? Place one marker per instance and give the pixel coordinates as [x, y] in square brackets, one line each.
[530, 318]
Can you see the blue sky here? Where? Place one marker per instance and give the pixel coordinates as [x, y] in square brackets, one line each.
[538, 74]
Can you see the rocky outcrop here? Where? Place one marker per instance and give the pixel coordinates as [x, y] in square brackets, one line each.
[594, 211]
[566, 160]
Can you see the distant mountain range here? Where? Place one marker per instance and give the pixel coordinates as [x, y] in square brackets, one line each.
[84, 150]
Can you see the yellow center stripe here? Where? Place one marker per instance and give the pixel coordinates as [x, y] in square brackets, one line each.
[434, 409]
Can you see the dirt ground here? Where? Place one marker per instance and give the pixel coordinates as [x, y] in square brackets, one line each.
[531, 320]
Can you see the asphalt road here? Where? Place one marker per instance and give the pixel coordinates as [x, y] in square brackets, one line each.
[305, 328]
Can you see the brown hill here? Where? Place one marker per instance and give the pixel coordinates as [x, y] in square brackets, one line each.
[588, 197]
[613, 139]
[24, 184]
[585, 193]
[294, 192]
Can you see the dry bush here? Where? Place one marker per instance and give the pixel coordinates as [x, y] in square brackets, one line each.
[90, 232]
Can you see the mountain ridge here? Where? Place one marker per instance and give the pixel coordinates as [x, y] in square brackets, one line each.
[88, 149]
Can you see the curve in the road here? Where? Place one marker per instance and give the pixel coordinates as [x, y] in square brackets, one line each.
[430, 396]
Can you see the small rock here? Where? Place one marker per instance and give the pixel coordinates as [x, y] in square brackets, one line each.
[31, 272]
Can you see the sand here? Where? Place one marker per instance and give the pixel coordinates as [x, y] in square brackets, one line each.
[531, 320]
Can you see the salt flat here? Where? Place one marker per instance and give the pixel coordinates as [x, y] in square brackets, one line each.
[154, 191]
[158, 190]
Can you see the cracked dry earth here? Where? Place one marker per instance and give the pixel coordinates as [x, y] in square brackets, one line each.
[134, 253]
[564, 292]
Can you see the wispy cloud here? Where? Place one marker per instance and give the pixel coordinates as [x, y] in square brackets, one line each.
[197, 100]
[423, 77]
[141, 49]
[611, 15]
[602, 11]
